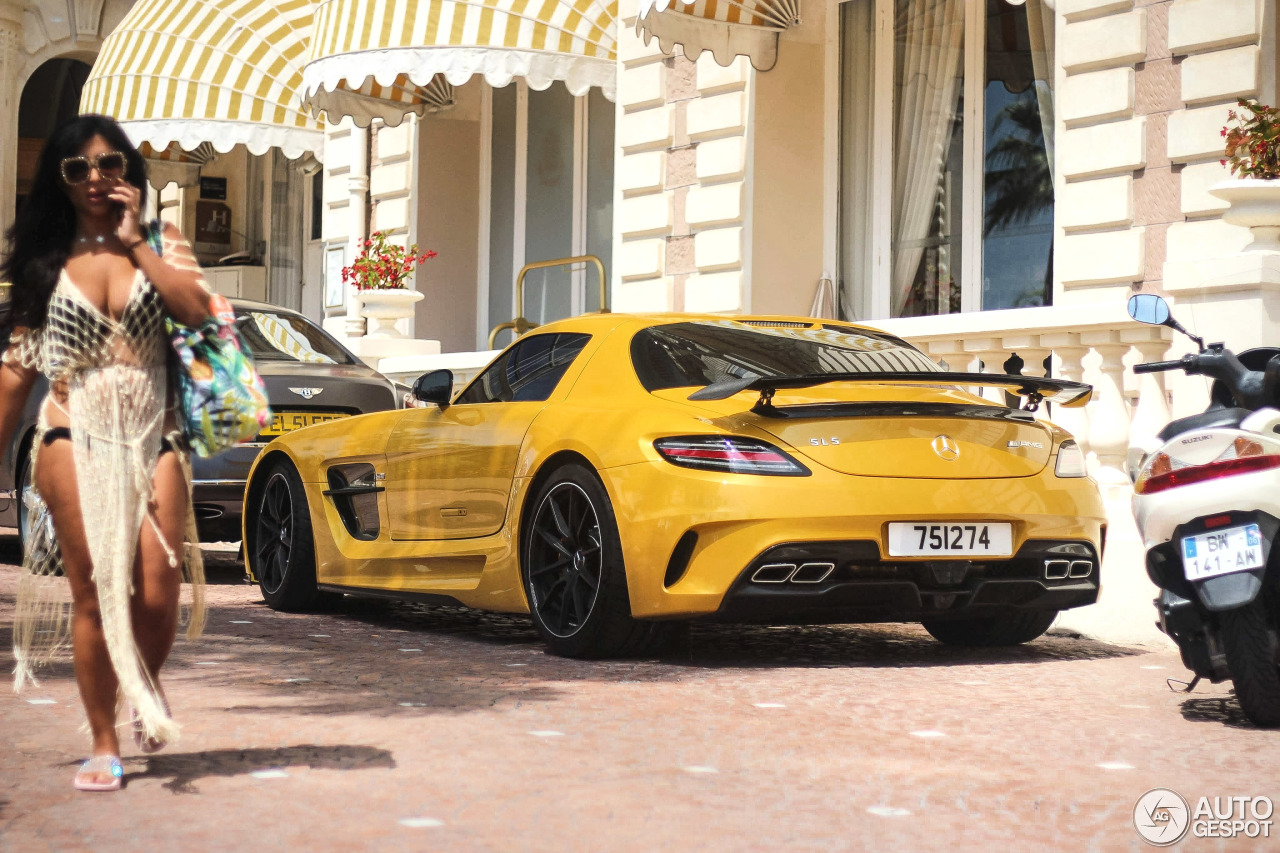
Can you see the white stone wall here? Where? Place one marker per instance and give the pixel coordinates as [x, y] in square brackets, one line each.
[1225, 54]
[1103, 147]
[681, 225]
[1144, 90]
[32, 33]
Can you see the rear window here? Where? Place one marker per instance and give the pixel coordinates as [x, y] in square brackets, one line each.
[705, 352]
[273, 336]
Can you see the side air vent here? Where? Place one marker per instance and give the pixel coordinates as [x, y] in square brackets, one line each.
[354, 491]
[679, 562]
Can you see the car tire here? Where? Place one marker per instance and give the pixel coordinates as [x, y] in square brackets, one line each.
[24, 483]
[1249, 642]
[573, 572]
[282, 555]
[1005, 629]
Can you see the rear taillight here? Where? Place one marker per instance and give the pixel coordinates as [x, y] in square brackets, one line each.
[729, 453]
[1070, 460]
[1244, 456]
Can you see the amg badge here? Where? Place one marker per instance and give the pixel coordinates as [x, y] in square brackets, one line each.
[1034, 444]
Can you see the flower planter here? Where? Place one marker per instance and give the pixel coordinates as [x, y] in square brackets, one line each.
[383, 308]
[1255, 204]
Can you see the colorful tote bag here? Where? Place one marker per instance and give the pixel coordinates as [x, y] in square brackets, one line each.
[221, 398]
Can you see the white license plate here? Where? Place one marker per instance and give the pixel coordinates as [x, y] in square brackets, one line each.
[1222, 552]
[954, 539]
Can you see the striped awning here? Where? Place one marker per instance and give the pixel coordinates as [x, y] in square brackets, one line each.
[727, 28]
[223, 72]
[386, 58]
[174, 165]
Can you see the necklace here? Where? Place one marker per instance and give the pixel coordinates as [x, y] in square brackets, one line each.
[100, 239]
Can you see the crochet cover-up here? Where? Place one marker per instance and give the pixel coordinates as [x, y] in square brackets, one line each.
[110, 378]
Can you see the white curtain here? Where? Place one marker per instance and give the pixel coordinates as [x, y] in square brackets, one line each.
[930, 37]
[1040, 27]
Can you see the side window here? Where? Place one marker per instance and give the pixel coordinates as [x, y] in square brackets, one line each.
[528, 372]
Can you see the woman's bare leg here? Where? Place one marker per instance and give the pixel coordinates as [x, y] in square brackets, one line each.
[55, 479]
[157, 584]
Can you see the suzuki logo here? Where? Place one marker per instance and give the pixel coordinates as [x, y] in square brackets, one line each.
[946, 448]
[306, 393]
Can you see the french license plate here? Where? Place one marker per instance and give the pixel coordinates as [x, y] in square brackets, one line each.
[283, 422]
[956, 539]
[1222, 552]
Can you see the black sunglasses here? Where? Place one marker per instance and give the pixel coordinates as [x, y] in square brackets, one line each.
[111, 165]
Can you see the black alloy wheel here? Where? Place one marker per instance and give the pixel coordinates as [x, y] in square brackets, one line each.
[573, 570]
[25, 477]
[283, 552]
[565, 559]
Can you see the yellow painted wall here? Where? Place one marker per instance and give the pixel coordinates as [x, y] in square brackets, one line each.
[448, 208]
[787, 190]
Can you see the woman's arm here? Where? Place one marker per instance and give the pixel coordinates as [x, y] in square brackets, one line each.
[176, 276]
[16, 380]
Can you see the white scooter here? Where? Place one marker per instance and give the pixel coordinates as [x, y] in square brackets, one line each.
[1207, 502]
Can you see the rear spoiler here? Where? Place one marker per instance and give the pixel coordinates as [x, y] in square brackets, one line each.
[1035, 389]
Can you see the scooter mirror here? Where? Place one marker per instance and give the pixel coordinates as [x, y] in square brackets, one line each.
[1149, 308]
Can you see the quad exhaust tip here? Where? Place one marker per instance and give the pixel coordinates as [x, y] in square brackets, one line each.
[784, 572]
[1057, 570]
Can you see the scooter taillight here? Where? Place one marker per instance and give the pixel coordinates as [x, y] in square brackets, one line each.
[1199, 473]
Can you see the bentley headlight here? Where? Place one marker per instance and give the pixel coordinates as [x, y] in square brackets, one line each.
[1070, 460]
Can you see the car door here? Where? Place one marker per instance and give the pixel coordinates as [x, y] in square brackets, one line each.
[450, 470]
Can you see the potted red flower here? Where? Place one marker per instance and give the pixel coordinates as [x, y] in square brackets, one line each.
[380, 274]
[1252, 153]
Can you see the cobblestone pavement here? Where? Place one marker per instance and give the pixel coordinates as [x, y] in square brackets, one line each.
[408, 727]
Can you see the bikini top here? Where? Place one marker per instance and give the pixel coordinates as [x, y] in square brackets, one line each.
[77, 335]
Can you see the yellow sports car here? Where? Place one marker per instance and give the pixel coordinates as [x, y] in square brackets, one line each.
[616, 475]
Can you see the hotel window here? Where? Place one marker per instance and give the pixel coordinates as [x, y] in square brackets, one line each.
[946, 152]
[550, 197]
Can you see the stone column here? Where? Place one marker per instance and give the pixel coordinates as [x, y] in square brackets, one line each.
[1070, 354]
[1152, 411]
[993, 356]
[357, 213]
[10, 95]
[1109, 420]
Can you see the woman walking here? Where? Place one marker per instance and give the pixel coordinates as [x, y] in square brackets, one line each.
[89, 298]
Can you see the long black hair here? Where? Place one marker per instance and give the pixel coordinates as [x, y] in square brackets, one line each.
[40, 240]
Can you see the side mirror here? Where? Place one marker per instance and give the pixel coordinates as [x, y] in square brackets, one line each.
[434, 387]
[1154, 311]
[1149, 308]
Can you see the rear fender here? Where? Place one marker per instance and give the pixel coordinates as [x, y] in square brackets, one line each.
[1227, 592]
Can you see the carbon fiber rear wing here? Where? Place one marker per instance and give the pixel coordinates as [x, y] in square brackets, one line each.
[1034, 389]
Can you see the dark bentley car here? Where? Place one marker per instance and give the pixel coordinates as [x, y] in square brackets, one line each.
[310, 378]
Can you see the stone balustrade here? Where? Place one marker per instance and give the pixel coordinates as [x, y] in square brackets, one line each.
[1094, 344]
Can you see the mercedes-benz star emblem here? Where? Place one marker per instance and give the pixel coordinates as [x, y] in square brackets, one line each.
[946, 448]
[306, 393]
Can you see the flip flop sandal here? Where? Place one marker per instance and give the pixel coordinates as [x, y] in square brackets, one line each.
[144, 743]
[99, 764]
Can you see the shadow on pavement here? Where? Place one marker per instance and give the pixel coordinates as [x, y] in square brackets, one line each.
[1223, 710]
[182, 770]
[710, 645]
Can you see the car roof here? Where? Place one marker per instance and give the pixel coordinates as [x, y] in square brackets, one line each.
[598, 323]
[254, 305]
